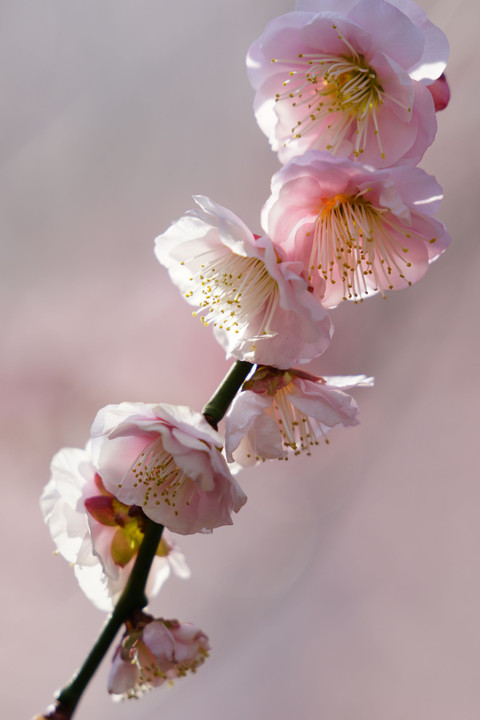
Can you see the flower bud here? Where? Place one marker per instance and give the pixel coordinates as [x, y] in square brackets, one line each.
[440, 91]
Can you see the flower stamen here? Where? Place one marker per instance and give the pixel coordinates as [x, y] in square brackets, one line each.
[295, 427]
[164, 481]
[234, 289]
[340, 94]
[353, 239]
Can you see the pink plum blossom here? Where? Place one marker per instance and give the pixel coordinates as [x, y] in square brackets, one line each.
[166, 459]
[258, 303]
[99, 535]
[283, 412]
[359, 231]
[348, 76]
[155, 651]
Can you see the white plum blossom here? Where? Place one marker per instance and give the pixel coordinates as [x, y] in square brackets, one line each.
[99, 535]
[261, 308]
[279, 413]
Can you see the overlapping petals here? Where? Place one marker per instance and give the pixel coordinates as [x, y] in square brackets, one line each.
[359, 231]
[99, 535]
[167, 460]
[261, 308]
[279, 413]
[153, 652]
[348, 77]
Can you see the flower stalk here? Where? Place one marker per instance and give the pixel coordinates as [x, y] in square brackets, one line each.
[222, 398]
[133, 597]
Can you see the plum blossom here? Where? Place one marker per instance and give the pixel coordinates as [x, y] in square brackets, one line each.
[359, 231]
[280, 413]
[167, 460]
[350, 77]
[258, 303]
[153, 652]
[99, 535]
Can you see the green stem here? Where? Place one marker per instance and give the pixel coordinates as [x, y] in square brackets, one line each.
[133, 598]
[220, 401]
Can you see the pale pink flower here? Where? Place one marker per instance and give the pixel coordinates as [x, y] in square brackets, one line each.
[348, 76]
[166, 459]
[359, 231]
[259, 305]
[283, 412]
[99, 535]
[155, 651]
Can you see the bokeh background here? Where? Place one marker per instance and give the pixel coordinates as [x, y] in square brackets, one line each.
[349, 586]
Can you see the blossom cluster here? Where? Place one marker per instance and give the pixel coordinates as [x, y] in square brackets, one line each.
[143, 461]
[99, 535]
[347, 93]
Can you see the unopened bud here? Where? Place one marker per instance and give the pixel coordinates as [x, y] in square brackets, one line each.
[440, 91]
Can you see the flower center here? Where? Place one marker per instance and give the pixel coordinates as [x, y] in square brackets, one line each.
[352, 241]
[339, 96]
[163, 481]
[129, 522]
[295, 427]
[235, 289]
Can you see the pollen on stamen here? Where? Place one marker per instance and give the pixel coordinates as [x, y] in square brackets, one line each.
[354, 240]
[340, 84]
[238, 287]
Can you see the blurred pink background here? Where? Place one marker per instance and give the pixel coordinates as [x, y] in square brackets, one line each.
[349, 586]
